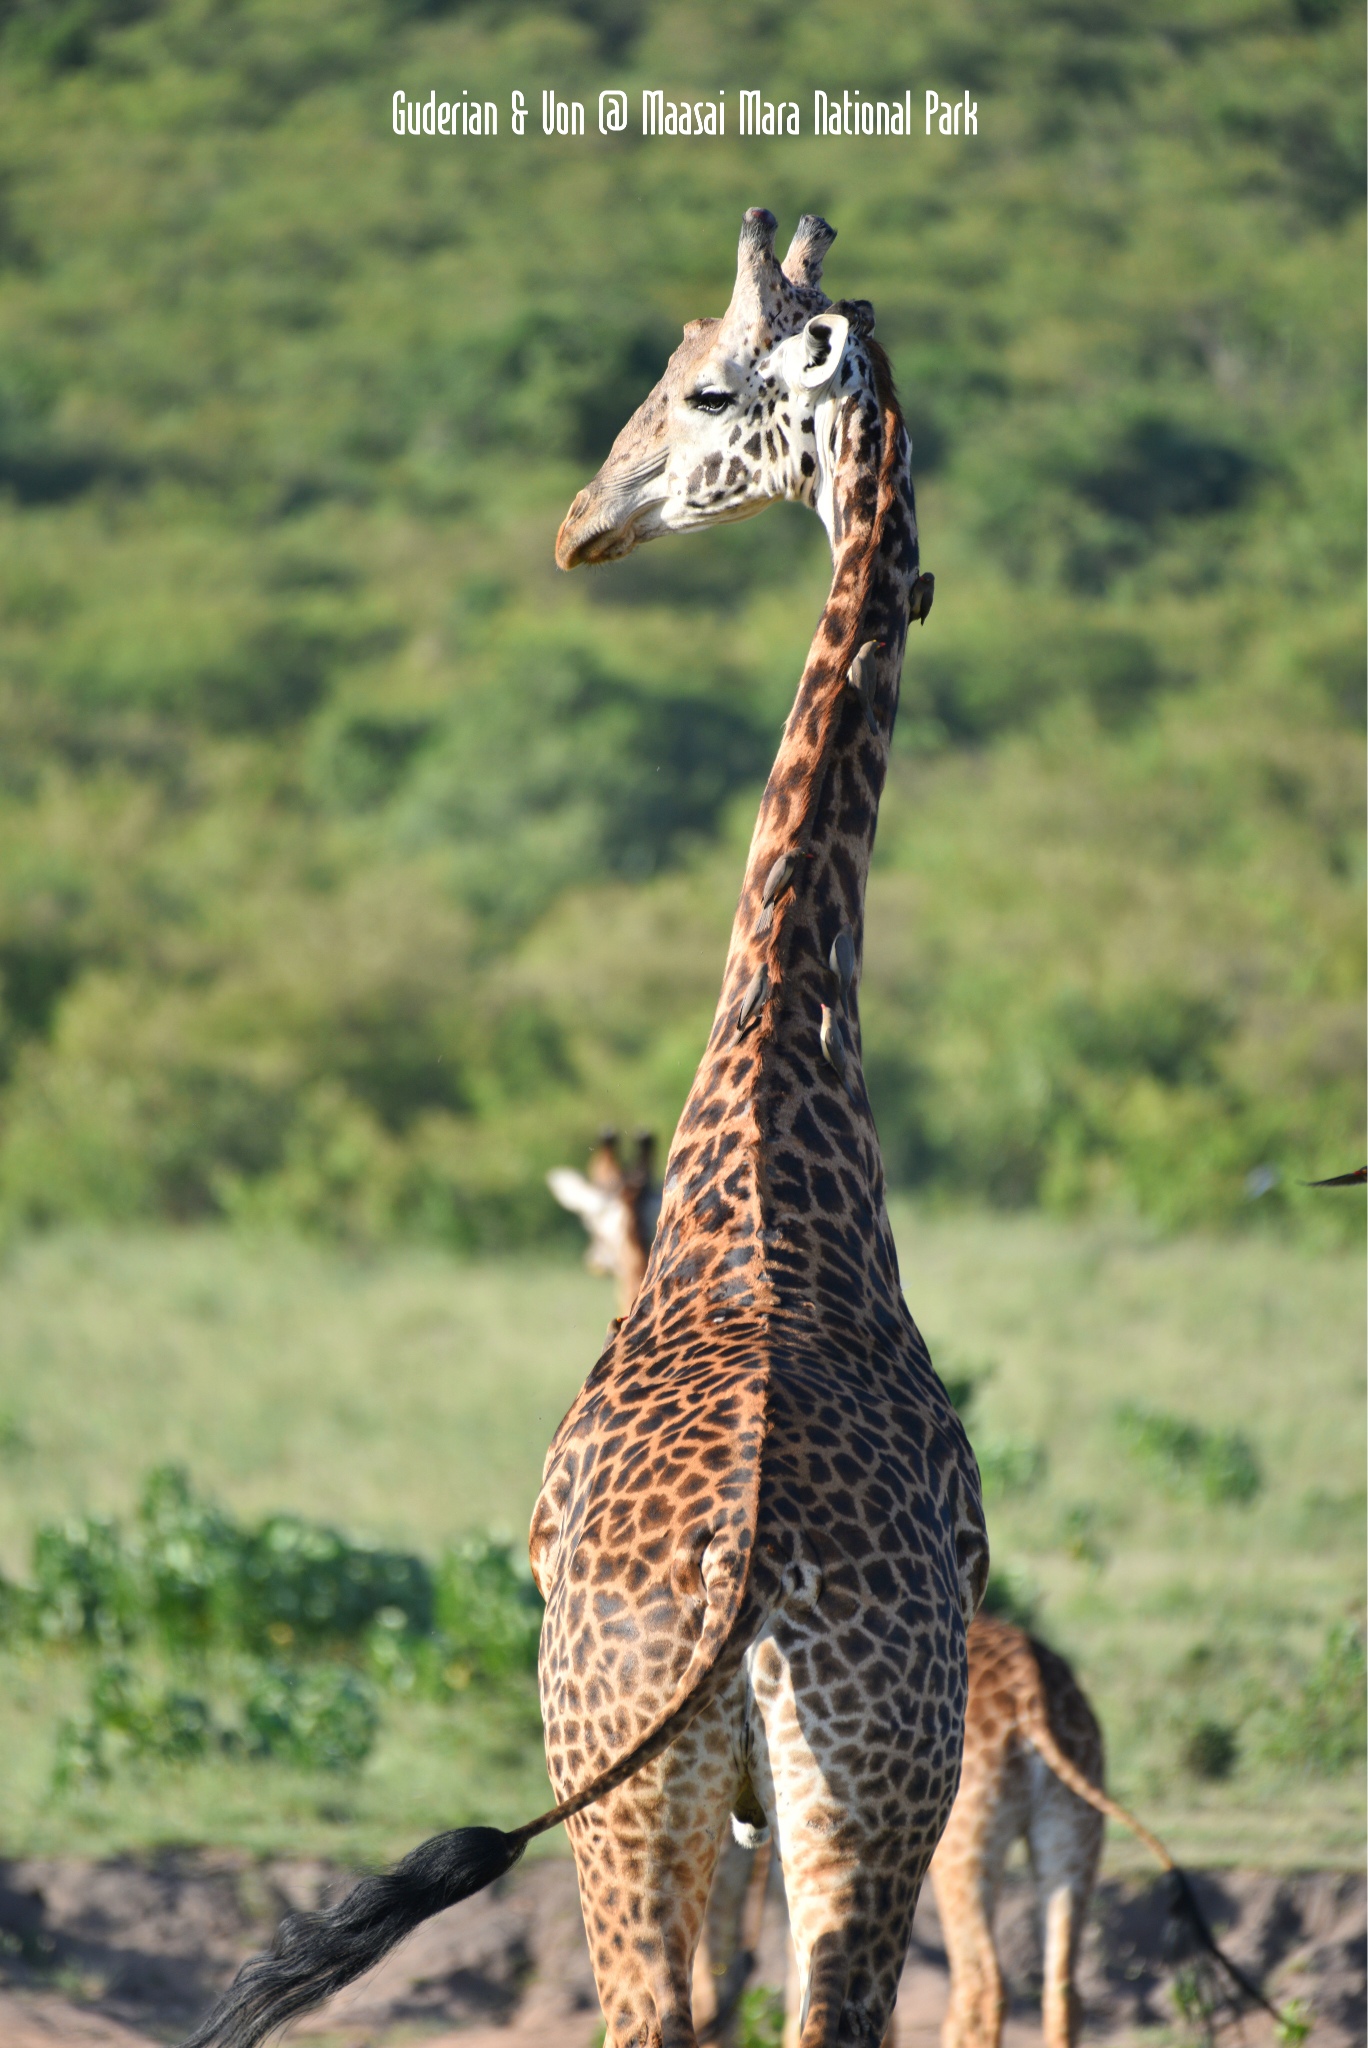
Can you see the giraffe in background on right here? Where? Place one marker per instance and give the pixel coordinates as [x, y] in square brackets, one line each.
[1032, 1772]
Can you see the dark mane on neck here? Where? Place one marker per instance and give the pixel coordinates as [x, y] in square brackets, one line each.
[884, 386]
[892, 429]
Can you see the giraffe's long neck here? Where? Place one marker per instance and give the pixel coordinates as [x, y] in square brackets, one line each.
[774, 1189]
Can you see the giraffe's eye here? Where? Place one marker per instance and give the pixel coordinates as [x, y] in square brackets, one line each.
[709, 401]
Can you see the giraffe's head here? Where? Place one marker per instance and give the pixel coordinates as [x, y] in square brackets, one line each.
[731, 426]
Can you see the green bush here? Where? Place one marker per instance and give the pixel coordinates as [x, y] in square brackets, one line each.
[130, 1721]
[276, 1616]
[1324, 1727]
[188, 1574]
[1010, 1597]
[316, 1717]
[188, 1559]
[760, 2018]
[1211, 1750]
[488, 1611]
[303, 1586]
[321, 1718]
[85, 1588]
[1219, 1465]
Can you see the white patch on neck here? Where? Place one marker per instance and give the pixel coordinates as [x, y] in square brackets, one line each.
[826, 434]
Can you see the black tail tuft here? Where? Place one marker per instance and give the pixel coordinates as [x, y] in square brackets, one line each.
[1185, 1909]
[315, 1954]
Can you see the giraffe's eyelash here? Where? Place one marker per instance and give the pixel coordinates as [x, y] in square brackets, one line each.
[709, 401]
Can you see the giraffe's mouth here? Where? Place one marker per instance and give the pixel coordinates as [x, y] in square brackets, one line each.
[612, 515]
[576, 548]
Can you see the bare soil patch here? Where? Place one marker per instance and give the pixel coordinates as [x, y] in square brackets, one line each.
[126, 1953]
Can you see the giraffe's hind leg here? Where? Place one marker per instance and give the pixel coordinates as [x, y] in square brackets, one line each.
[1065, 1838]
[990, 1813]
[645, 1856]
[731, 1934]
[966, 1899]
[856, 1811]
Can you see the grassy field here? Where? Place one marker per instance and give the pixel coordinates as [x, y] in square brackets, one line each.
[412, 1397]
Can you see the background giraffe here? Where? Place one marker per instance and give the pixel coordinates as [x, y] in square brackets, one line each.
[618, 1206]
[760, 1535]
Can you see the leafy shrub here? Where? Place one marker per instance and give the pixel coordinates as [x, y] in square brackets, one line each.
[1160, 469]
[1324, 1728]
[189, 1579]
[303, 1585]
[1211, 1750]
[323, 1718]
[189, 1554]
[1010, 1466]
[1220, 1465]
[488, 1611]
[130, 1721]
[760, 2018]
[85, 1589]
[16, 1611]
[217, 687]
[189, 1574]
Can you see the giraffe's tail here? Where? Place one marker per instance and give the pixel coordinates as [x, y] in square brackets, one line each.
[315, 1954]
[1183, 1901]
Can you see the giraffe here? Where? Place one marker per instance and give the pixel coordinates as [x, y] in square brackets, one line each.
[618, 1206]
[760, 1533]
[1031, 1743]
[1032, 1772]
[1033, 1769]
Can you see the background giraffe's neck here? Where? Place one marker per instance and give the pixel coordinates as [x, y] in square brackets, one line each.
[776, 1158]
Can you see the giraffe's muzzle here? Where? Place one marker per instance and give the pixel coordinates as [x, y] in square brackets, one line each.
[613, 513]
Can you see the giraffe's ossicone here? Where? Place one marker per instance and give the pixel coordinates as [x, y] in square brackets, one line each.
[760, 1534]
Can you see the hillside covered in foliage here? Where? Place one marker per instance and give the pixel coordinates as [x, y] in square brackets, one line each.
[355, 866]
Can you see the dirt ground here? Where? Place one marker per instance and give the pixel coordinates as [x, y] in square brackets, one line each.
[131, 1952]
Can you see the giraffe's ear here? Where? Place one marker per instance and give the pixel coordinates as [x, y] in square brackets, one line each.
[813, 356]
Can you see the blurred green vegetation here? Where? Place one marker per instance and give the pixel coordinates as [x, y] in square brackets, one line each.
[188, 1662]
[269, 1616]
[354, 867]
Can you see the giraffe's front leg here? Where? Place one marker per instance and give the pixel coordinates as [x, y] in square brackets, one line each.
[645, 1857]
